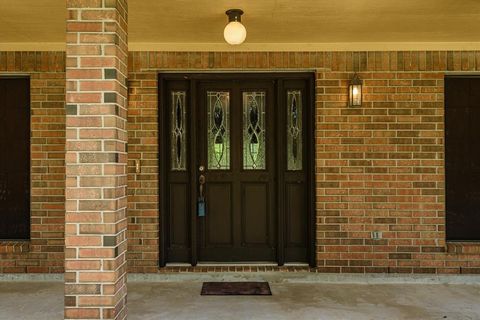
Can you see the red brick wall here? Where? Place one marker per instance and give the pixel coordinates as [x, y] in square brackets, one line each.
[96, 160]
[379, 167]
[44, 252]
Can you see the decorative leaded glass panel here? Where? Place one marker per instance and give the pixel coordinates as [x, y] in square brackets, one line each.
[294, 130]
[218, 106]
[254, 130]
[178, 139]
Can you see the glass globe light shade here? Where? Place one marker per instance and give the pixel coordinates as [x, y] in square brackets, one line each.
[235, 33]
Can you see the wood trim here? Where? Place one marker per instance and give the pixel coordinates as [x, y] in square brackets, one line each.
[294, 47]
[311, 197]
[280, 176]
[260, 47]
[162, 160]
[194, 173]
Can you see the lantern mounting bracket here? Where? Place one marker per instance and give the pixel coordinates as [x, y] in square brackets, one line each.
[234, 15]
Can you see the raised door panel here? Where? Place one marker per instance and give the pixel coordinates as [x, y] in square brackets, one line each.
[179, 215]
[295, 215]
[219, 215]
[255, 214]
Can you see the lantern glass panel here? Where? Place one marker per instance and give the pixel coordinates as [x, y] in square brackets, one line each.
[356, 95]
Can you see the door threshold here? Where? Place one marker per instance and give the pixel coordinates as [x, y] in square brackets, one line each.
[239, 264]
[296, 264]
[178, 264]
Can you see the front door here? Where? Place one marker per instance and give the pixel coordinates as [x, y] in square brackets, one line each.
[236, 157]
[236, 160]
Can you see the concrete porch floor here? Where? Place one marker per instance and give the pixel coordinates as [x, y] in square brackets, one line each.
[291, 300]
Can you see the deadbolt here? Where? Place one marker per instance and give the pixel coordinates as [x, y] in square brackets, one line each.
[201, 168]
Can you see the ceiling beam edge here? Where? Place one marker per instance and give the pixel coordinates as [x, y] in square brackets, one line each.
[262, 47]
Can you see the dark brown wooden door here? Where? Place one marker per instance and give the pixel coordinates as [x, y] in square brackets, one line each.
[462, 157]
[249, 139]
[236, 148]
[14, 158]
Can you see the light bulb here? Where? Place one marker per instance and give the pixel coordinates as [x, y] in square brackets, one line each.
[235, 33]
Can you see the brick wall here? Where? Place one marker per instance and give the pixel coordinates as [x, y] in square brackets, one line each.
[379, 167]
[44, 252]
[96, 159]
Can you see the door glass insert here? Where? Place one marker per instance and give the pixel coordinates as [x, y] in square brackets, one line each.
[294, 130]
[254, 130]
[218, 105]
[178, 132]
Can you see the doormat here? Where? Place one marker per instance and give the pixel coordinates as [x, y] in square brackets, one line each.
[236, 289]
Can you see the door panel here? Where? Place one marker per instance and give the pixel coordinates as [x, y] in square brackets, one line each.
[15, 158]
[462, 158]
[295, 211]
[179, 215]
[255, 214]
[237, 164]
[219, 218]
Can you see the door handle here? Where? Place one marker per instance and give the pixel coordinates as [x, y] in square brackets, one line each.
[201, 181]
[201, 200]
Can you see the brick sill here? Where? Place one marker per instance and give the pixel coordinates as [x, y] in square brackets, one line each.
[463, 247]
[14, 246]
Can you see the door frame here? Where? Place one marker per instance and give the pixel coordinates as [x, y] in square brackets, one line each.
[163, 135]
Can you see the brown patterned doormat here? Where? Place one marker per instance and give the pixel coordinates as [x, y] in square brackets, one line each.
[236, 289]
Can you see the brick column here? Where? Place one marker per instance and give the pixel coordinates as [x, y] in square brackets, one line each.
[95, 230]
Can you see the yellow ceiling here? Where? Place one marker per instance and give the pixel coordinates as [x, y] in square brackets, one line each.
[271, 24]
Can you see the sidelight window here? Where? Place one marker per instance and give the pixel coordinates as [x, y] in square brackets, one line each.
[294, 130]
[178, 131]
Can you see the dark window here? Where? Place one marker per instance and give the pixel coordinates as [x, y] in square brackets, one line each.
[14, 158]
[462, 157]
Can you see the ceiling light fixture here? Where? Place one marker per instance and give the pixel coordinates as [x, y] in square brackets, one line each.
[235, 32]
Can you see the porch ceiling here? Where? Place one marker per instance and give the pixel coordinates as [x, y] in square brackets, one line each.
[271, 24]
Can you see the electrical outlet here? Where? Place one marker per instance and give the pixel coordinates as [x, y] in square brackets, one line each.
[376, 235]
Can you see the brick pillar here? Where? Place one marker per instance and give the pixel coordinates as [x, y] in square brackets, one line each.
[96, 182]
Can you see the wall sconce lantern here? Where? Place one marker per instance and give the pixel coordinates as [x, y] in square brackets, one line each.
[355, 92]
[235, 32]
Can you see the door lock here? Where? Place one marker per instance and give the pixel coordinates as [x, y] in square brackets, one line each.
[201, 198]
[201, 181]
